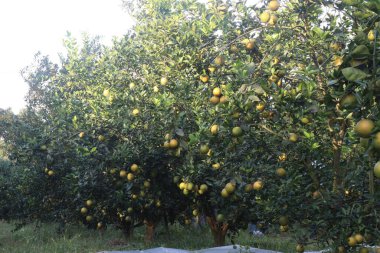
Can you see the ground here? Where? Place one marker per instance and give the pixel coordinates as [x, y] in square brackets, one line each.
[77, 239]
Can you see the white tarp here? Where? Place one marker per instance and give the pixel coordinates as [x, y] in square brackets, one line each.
[225, 249]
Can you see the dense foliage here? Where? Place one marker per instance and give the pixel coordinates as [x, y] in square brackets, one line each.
[265, 114]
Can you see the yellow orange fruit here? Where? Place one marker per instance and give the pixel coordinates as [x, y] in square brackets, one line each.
[219, 60]
[300, 248]
[214, 100]
[282, 157]
[216, 166]
[281, 172]
[204, 149]
[123, 174]
[258, 185]
[204, 78]
[250, 45]
[134, 167]
[293, 137]
[351, 241]
[223, 99]
[237, 131]
[83, 210]
[260, 107]
[182, 185]
[273, 20]
[203, 187]
[190, 186]
[359, 238]
[130, 176]
[106, 93]
[364, 127]
[376, 141]
[217, 92]
[376, 170]
[371, 35]
[214, 129]
[230, 187]
[146, 184]
[173, 143]
[89, 202]
[273, 5]
[135, 112]
[264, 17]
[101, 138]
[212, 69]
[224, 193]
[164, 80]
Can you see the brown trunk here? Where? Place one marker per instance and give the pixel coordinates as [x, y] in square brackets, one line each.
[149, 231]
[337, 147]
[128, 232]
[218, 230]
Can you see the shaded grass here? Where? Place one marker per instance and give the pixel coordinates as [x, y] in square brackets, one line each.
[77, 239]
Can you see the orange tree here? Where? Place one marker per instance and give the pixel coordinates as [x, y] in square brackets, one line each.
[250, 111]
[261, 99]
[98, 135]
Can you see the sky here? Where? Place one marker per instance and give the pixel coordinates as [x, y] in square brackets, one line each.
[29, 26]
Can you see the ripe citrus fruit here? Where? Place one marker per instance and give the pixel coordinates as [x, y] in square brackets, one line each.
[214, 129]
[123, 173]
[258, 185]
[376, 170]
[164, 80]
[273, 5]
[293, 137]
[230, 187]
[83, 210]
[130, 176]
[223, 99]
[216, 166]
[219, 60]
[237, 131]
[204, 149]
[264, 17]
[300, 248]
[204, 78]
[224, 193]
[173, 143]
[281, 172]
[217, 92]
[219, 217]
[351, 241]
[214, 100]
[134, 167]
[364, 127]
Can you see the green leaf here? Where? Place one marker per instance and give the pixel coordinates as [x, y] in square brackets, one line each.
[353, 74]
[360, 52]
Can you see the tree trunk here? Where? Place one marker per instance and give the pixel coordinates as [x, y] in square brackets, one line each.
[337, 147]
[166, 224]
[149, 231]
[128, 232]
[218, 230]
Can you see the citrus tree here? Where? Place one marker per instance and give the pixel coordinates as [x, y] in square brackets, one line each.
[239, 113]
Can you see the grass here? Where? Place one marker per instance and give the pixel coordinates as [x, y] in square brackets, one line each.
[77, 239]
